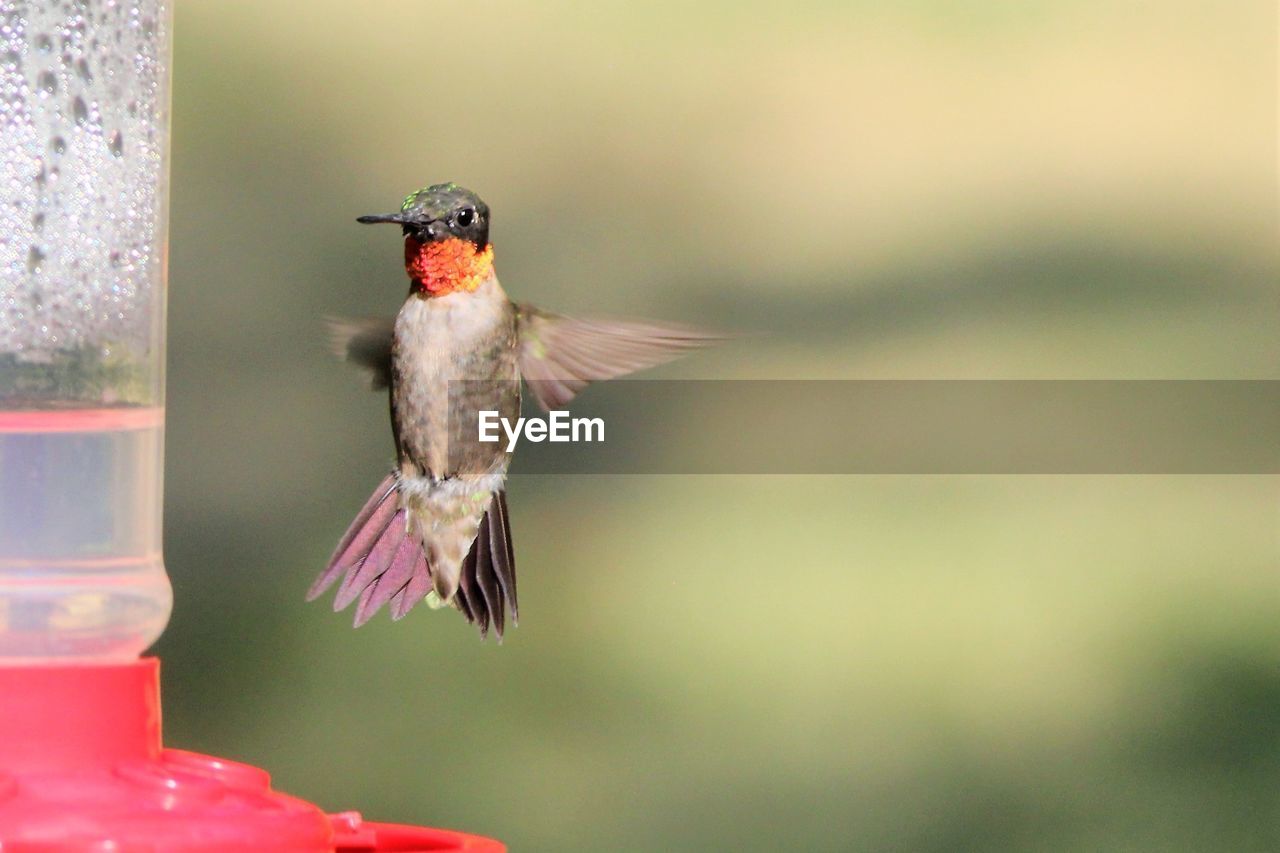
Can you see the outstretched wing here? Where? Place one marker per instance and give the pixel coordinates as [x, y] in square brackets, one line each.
[366, 343]
[559, 356]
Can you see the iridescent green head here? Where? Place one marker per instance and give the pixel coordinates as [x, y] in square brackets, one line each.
[439, 212]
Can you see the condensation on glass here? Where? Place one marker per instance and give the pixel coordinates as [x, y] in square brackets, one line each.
[84, 123]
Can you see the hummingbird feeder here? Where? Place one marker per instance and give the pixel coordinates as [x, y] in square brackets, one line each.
[84, 109]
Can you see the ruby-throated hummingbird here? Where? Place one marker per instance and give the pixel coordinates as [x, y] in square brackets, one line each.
[437, 527]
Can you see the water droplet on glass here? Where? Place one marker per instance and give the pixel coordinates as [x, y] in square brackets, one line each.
[61, 74]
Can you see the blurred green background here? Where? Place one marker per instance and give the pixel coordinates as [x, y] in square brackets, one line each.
[887, 189]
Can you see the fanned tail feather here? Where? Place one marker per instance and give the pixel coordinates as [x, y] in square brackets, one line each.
[382, 563]
[374, 564]
[391, 584]
[507, 553]
[377, 558]
[396, 575]
[365, 527]
[413, 592]
[487, 586]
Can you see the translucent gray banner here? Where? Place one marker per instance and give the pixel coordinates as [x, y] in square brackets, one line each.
[899, 427]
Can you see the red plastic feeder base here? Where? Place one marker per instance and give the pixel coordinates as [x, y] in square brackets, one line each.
[82, 770]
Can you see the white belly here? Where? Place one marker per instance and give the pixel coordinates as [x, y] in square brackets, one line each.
[438, 339]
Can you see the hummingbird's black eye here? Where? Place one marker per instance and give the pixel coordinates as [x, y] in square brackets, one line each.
[465, 217]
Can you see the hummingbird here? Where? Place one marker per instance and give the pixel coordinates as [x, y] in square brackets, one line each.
[437, 528]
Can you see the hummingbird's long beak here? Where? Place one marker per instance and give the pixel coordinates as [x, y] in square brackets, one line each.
[397, 218]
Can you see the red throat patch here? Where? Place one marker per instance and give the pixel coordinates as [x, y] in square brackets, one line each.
[446, 266]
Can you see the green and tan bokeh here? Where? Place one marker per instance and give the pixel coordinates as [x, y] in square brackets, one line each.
[991, 189]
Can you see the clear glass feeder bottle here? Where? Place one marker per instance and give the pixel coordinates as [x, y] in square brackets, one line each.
[84, 102]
